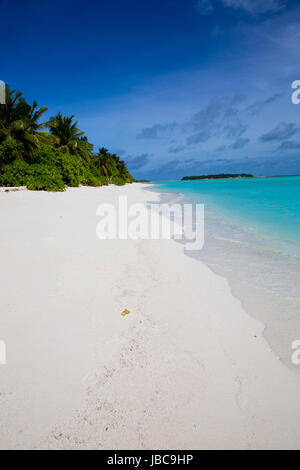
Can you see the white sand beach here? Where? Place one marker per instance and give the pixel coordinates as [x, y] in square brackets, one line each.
[188, 368]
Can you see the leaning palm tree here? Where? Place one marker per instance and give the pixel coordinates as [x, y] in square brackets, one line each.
[68, 138]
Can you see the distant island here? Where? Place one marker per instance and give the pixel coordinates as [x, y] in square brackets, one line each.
[215, 177]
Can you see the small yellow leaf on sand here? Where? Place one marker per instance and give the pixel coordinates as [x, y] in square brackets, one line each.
[125, 312]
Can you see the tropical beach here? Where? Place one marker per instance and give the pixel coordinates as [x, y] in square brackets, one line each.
[188, 368]
[150, 221]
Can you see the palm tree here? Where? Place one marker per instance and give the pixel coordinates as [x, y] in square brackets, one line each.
[34, 115]
[69, 138]
[20, 122]
[103, 162]
[110, 165]
[123, 171]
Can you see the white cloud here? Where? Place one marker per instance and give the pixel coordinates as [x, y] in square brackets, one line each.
[251, 6]
[256, 6]
[205, 7]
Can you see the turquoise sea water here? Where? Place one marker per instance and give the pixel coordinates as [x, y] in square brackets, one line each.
[268, 207]
[252, 237]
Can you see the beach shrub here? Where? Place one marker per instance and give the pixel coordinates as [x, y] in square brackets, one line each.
[105, 180]
[35, 177]
[10, 150]
[72, 170]
[46, 178]
[89, 179]
[118, 181]
[52, 170]
[70, 166]
[47, 155]
[15, 174]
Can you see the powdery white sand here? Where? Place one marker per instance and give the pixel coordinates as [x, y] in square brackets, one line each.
[187, 369]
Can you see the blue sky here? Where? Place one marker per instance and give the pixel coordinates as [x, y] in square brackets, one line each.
[176, 87]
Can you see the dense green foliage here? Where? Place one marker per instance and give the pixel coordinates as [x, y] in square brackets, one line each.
[51, 155]
[34, 176]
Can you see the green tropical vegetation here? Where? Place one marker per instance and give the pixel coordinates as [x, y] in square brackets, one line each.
[216, 177]
[53, 154]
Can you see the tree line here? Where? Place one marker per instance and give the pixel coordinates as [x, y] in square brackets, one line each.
[218, 176]
[53, 154]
